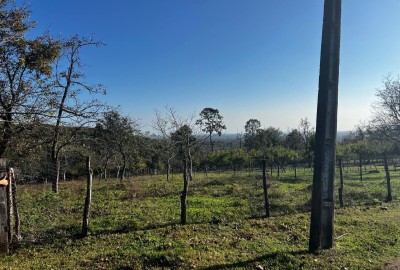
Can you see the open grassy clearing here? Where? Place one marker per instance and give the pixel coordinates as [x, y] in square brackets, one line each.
[135, 224]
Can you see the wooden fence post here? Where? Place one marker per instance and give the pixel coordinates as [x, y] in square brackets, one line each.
[341, 183]
[88, 200]
[9, 206]
[17, 223]
[264, 166]
[4, 220]
[388, 184]
[184, 193]
[4, 246]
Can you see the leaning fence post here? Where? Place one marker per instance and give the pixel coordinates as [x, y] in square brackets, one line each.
[4, 221]
[16, 237]
[388, 185]
[9, 206]
[88, 200]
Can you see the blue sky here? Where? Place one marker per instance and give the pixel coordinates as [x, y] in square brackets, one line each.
[248, 58]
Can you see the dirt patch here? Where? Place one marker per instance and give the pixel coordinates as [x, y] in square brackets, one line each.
[392, 266]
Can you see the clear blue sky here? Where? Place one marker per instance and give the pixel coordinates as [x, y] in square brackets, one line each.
[248, 58]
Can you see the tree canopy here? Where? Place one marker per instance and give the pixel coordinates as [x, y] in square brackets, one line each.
[210, 122]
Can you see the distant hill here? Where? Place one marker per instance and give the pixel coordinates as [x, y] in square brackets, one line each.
[233, 136]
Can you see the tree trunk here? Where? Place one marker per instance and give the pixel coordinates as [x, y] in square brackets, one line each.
[88, 200]
[271, 169]
[56, 174]
[191, 168]
[309, 159]
[122, 173]
[388, 184]
[118, 169]
[278, 170]
[184, 192]
[168, 169]
[211, 143]
[360, 165]
[105, 168]
[341, 183]
[266, 201]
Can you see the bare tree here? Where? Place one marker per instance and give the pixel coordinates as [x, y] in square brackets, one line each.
[165, 147]
[385, 120]
[71, 112]
[307, 133]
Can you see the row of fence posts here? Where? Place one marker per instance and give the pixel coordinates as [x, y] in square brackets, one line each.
[9, 216]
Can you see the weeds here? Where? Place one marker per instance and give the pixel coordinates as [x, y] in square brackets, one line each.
[134, 225]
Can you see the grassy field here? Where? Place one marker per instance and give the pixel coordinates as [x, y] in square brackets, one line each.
[135, 224]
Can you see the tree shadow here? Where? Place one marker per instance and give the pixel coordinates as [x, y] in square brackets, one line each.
[61, 234]
[127, 229]
[251, 262]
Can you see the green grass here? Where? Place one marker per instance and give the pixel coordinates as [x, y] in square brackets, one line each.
[135, 224]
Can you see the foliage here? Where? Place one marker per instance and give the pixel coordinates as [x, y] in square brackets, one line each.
[264, 139]
[210, 122]
[25, 65]
[184, 141]
[252, 127]
[118, 137]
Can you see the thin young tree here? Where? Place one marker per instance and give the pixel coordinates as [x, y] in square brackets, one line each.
[184, 140]
[88, 199]
[307, 133]
[71, 112]
[164, 147]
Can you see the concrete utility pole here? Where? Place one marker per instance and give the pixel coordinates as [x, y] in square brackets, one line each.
[321, 228]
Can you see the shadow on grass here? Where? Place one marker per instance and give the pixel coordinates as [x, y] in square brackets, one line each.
[292, 180]
[127, 229]
[59, 234]
[280, 257]
[63, 234]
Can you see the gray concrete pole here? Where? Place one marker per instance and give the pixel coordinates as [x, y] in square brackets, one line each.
[322, 209]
